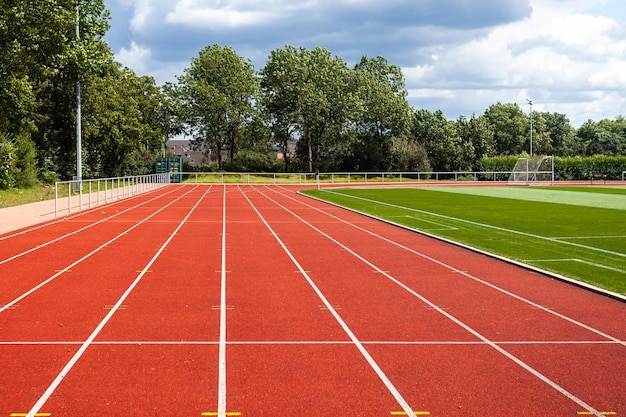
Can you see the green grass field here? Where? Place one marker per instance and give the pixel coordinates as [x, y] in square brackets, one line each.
[578, 232]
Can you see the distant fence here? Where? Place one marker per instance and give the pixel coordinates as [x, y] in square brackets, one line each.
[79, 194]
[337, 177]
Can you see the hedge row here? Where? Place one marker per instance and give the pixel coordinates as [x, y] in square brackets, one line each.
[567, 168]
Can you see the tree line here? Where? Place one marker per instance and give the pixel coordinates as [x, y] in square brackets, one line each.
[341, 117]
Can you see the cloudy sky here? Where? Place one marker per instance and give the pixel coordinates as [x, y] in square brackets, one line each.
[460, 56]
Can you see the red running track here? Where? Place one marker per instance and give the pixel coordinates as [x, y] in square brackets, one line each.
[256, 301]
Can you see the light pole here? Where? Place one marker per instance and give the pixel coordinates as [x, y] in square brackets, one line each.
[530, 103]
[79, 152]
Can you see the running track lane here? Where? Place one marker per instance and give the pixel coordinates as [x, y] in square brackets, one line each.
[482, 309]
[282, 355]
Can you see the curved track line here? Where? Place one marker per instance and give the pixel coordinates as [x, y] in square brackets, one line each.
[468, 275]
[370, 360]
[43, 245]
[68, 367]
[469, 329]
[99, 248]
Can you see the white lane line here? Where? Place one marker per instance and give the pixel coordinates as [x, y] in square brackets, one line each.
[370, 360]
[574, 260]
[309, 342]
[461, 324]
[99, 248]
[43, 245]
[221, 397]
[68, 367]
[487, 226]
[466, 274]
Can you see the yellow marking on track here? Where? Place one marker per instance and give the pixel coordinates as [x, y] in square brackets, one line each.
[604, 413]
[225, 308]
[224, 271]
[331, 307]
[212, 413]
[110, 307]
[381, 272]
[36, 414]
[415, 413]
[140, 270]
[62, 270]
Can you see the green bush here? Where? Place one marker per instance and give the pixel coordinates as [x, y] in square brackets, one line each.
[17, 162]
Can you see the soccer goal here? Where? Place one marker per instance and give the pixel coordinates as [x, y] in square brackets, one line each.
[535, 169]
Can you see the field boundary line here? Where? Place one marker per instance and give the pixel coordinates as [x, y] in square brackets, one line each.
[355, 341]
[449, 316]
[577, 260]
[580, 284]
[99, 248]
[79, 353]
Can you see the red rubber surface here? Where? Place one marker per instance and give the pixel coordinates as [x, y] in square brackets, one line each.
[326, 313]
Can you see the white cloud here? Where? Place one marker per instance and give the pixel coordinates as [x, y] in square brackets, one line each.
[137, 57]
[568, 55]
[219, 14]
[557, 50]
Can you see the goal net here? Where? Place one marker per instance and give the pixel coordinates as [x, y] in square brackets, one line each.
[533, 169]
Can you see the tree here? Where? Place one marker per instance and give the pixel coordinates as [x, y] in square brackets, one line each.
[384, 113]
[446, 151]
[606, 137]
[510, 126]
[562, 134]
[216, 94]
[304, 93]
[124, 125]
[477, 132]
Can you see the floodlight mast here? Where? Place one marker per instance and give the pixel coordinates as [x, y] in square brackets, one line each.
[79, 152]
[530, 103]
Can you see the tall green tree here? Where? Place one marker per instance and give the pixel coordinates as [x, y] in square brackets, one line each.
[216, 94]
[510, 126]
[384, 113]
[445, 148]
[304, 93]
[606, 137]
[562, 134]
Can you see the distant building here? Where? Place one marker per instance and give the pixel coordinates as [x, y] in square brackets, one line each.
[183, 149]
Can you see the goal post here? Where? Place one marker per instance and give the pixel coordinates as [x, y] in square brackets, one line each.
[534, 169]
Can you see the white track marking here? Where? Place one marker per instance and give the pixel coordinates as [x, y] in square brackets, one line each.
[93, 252]
[487, 226]
[575, 260]
[370, 360]
[68, 367]
[43, 245]
[221, 398]
[466, 274]
[309, 342]
[469, 329]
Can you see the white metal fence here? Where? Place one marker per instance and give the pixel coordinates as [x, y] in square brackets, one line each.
[337, 177]
[79, 194]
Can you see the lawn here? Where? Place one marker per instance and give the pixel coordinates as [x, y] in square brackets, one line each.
[16, 197]
[578, 232]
